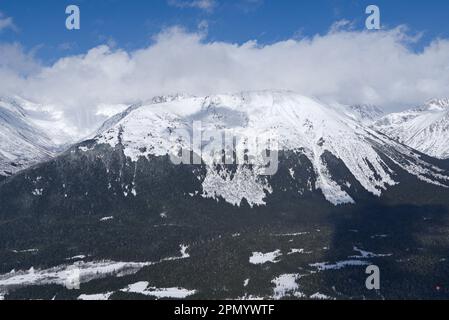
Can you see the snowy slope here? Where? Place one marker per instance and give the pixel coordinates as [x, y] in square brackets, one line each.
[113, 120]
[27, 135]
[288, 121]
[365, 113]
[425, 128]
[48, 119]
[31, 132]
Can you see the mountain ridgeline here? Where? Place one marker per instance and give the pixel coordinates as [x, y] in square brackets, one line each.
[425, 128]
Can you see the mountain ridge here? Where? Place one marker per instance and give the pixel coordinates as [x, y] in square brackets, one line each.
[119, 201]
[22, 143]
[295, 121]
[425, 128]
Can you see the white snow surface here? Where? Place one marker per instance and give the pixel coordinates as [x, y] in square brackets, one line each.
[363, 113]
[287, 120]
[286, 285]
[78, 257]
[78, 272]
[143, 287]
[298, 251]
[261, 258]
[425, 128]
[322, 266]
[22, 143]
[64, 274]
[366, 254]
[26, 251]
[30, 133]
[320, 296]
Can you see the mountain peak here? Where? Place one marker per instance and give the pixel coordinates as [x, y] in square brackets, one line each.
[366, 113]
[438, 104]
[294, 122]
[22, 142]
[425, 128]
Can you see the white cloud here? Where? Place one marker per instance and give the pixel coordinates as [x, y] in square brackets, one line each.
[206, 5]
[346, 66]
[7, 23]
[15, 67]
[342, 25]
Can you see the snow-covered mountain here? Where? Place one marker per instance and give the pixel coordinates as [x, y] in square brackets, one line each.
[22, 143]
[117, 198]
[425, 128]
[29, 134]
[252, 121]
[290, 122]
[113, 120]
[365, 113]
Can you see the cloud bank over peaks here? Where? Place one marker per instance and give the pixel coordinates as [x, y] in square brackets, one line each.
[347, 66]
[7, 23]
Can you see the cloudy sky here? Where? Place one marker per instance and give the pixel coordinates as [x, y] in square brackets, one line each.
[128, 51]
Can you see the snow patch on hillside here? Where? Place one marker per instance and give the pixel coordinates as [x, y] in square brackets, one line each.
[261, 258]
[71, 275]
[143, 287]
[96, 297]
[286, 285]
[322, 266]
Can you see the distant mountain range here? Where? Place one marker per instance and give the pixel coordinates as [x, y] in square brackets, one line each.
[31, 134]
[425, 128]
[297, 124]
[23, 142]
